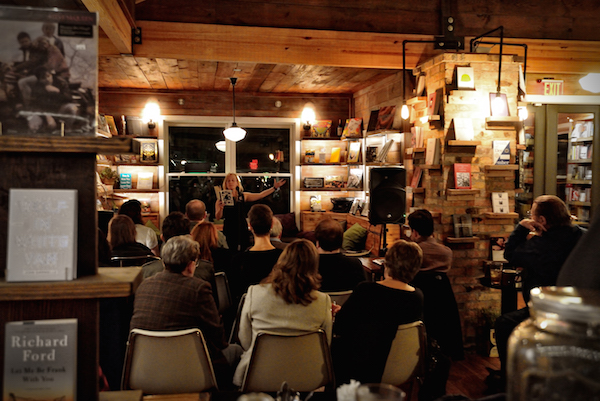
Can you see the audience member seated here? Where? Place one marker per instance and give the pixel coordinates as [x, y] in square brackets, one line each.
[442, 319]
[104, 253]
[174, 300]
[121, 237]
[144, 235]
[275, 235]
[287, 302]
[195, 210]
[367, 323]
[338, 272]
[174, 224]
[255, 263]
[205, 234]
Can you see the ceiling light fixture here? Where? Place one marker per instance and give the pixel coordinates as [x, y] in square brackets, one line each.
[234, 133]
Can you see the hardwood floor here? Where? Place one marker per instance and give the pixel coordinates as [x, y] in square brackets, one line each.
[467, 377]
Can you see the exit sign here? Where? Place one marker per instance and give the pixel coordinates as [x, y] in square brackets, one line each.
[553, 87]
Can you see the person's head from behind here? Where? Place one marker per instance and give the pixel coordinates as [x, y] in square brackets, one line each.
[133, 209]
[43, 75]
[195, 210]
[121, 230]
[296, 274]
[260, 218]
[403, 260]
[24, 40]
[277, 228]
[207, 237]
[550, 211]
[175, 224]
[329, 235]
[421, 222]
[48, 29]
[232, 181]
[178, 252]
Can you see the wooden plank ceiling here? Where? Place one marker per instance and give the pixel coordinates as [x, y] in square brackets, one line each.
[311, 46]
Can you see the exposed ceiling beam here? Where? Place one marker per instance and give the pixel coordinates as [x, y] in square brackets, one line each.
[114, 22]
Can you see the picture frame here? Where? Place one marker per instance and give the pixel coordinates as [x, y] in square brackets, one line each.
[353, 152]
[314, 182]
[334, 181]
[463, 225]
[355, 178]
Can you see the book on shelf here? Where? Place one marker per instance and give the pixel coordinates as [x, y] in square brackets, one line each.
[335, 155]
[112, 126]
[76, 33]
[355, 178]
[125, 181]
[385, 118]
[497, 246]
[384, 151]
[372, 120]
[463, 225]
[353, 128]
[353, 152]
[334, 181]
[500, 202]
[463, 129]
[465, 78]
[416, 178]
[371, 153]
[432, 153]
[416, 137]
[40, 360]
[321, 129]
[147, 149]
[42, 235]
[462, 175]
[145, 180]
[102, 127]
[434, 102]
[501, 152]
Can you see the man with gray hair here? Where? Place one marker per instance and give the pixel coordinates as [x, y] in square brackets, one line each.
[275, 236]
[195, 210]
[175, 300]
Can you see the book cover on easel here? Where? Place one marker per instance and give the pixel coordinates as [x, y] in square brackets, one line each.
[42, 235]
[462, 175]
[40, 360]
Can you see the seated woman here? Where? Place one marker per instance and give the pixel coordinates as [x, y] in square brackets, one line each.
[121, 238]
[287, 301]
[144, 235]
[205, 234]
[367, 323]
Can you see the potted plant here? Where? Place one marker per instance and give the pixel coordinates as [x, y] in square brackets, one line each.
[108, 176]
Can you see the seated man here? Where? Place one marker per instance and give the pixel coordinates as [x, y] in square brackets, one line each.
[276, 232]
[195, 210]
[174, 224]
[338, 272]
[175, 300]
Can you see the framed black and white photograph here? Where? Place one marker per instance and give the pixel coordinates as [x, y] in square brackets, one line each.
[314, 182]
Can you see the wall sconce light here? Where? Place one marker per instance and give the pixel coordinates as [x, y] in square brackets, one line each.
[523, 113]
[591, 82]
[221, 145]
[151, 114]
[308, 116]
[234, 133]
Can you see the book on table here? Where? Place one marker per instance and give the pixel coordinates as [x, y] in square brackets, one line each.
[40, 360]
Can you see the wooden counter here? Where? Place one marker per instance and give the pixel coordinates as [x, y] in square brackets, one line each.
[78, 299]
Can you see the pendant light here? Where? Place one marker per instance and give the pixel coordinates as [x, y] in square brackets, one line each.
[234, 133]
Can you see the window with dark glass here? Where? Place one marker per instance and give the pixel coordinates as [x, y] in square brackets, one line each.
[258, 152]
[193, 149]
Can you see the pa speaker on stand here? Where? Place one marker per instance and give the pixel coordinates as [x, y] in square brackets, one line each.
[387, 204]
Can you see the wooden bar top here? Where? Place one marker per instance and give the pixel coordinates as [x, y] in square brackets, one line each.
[110, 282]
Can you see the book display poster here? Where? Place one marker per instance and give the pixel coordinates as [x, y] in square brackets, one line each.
[462, 175]
[385, 118]
[500, 202]
[497, 245]
[463, 129]
[321, 129]
[501, 152]
[465, 78]
[373, 120]
[42, 235]
[40, 360]
[62, 47]
[355, 178]
[353, 152]
[463, 225]
[353, 128]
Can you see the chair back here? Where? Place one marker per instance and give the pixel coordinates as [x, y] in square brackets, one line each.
[235, 328]
[406, 359]
[339, 297]
[223, 292]
[125, 261]
[303, 361]
[167, 362]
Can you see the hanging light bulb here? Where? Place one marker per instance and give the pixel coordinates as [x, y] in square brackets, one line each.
[404, 113]
[221, 145]
[234, 133]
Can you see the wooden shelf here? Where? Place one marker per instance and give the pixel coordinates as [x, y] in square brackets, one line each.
[431, 167]
[464, 143]
[462, 192]
[419, 190]
[586, 139]
[331, 189]
[579, 161]
[414, 101]
[501, 170]
[325, 138]
[324, 164]
[119, 190]
[577, 203]
[583, 182]
[502, 123]
[499, 216]
[28, 144]
[462, 240]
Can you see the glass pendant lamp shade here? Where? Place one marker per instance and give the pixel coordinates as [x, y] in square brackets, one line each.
[234, 133]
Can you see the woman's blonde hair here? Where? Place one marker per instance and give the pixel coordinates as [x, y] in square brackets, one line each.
[121, 230]
[403, 260]
[296, 274]
[207, 237]
[237, 178]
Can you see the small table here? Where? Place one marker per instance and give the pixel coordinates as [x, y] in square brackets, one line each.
[375, 270]
[509, 294]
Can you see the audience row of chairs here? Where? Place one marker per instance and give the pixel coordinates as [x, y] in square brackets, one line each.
[178, 361]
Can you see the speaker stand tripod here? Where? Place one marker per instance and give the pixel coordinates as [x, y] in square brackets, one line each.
[383, 249]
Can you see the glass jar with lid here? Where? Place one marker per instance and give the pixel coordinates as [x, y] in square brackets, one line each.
[555, 355]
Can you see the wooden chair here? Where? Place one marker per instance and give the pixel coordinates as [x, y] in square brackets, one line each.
[406, 360]
[167, 362]
[339, 297]
[303, 361]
